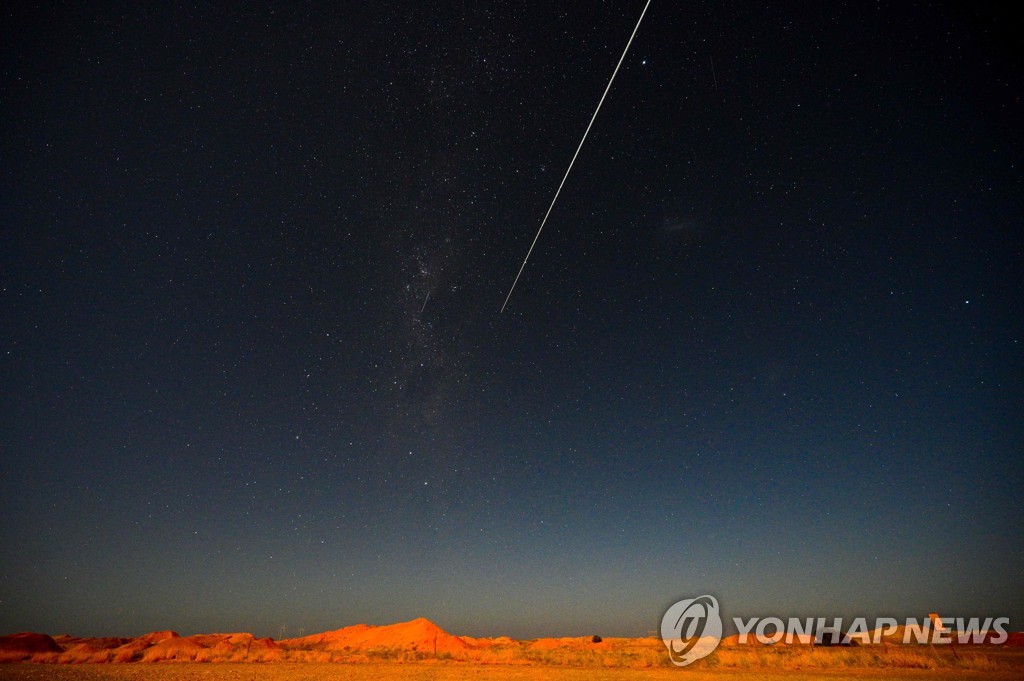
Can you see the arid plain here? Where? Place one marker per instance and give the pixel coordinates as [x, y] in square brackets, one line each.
[421, 650]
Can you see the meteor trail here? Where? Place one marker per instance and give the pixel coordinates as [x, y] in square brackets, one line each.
[569, 169]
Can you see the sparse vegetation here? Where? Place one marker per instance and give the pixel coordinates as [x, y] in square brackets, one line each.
[580, 654]
[420, 649]
[428, 669]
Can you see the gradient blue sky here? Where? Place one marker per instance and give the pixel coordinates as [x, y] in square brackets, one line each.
[254, 375]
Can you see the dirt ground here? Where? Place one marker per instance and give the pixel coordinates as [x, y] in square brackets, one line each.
[447, 672]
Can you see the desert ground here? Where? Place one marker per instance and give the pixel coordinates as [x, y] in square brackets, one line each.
[421, 650]
[191, 671]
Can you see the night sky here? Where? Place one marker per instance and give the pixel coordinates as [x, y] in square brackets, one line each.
[254, 374]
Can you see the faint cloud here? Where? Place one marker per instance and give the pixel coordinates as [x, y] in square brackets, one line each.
[687, 231]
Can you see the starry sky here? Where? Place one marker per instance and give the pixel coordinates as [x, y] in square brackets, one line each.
[255, 377]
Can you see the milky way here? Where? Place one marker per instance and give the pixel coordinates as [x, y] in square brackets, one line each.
[255, 375]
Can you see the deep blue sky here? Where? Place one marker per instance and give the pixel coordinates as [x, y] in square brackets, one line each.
[769, 346]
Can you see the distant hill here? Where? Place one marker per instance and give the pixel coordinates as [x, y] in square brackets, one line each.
[23, 646]
[419, 635]
[405, 641]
